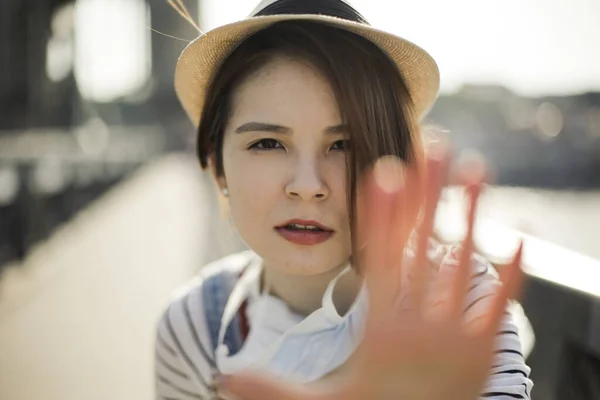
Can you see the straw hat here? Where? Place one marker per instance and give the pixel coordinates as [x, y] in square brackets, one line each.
[202, 57]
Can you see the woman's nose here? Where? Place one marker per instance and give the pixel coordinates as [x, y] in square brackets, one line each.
[307, 182]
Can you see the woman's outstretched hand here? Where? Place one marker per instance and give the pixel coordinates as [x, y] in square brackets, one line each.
[421, 349]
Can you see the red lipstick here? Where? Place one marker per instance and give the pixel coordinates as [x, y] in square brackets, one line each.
[304, 232]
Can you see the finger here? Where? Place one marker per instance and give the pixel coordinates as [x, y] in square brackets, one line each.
[470, 168]
[463, 271]
[254, 387]
[437, 163]
[376, 203]
[511, 278]
[381, 191]
[404, 219]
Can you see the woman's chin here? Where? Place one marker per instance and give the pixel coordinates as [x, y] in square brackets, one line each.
[308, 262]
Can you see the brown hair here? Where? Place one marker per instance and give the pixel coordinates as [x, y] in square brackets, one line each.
[373, 98]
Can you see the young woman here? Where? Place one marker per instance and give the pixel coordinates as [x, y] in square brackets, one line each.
[309, 120]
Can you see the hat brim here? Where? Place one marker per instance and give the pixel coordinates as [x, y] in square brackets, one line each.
[200, 60]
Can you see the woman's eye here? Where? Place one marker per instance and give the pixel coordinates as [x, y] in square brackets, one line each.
[266, 144]
[341, 145]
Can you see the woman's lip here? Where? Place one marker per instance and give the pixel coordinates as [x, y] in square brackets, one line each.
[304, 237]
[305, 222]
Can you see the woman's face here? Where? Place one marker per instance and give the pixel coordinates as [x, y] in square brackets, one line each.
[284, 161]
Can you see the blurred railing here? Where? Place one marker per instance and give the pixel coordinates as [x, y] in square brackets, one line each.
[47, 177]
[561, 299]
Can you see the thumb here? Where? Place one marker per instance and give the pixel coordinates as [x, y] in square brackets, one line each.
[260, 387]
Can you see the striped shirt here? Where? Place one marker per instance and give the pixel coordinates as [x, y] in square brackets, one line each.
[185, 365]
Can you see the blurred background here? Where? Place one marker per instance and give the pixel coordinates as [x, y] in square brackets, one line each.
[104, 210]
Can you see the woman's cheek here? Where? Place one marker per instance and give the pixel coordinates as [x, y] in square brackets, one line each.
[257, 182]
[336, 174]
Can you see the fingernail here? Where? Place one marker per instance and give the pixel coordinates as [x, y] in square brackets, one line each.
[472, 167]
[437, 151]
[389, 174]
[519, 253]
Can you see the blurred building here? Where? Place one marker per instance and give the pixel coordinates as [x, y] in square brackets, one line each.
[534, 142]
[57, 54]
[27, 96]
[86, 96]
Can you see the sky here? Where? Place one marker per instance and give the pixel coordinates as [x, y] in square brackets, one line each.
[534, 47]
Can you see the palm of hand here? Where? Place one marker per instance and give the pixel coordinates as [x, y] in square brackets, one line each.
[423, 350]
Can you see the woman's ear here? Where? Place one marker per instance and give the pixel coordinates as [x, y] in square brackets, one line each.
[219, 179]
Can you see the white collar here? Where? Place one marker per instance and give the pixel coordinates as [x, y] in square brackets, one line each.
[248, 287]
[274, 330]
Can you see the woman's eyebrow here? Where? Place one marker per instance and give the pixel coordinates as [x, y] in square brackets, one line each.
[337, 129]
[262, 127]
[273, 128]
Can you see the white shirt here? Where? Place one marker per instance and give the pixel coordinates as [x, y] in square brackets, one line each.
[285, 344]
